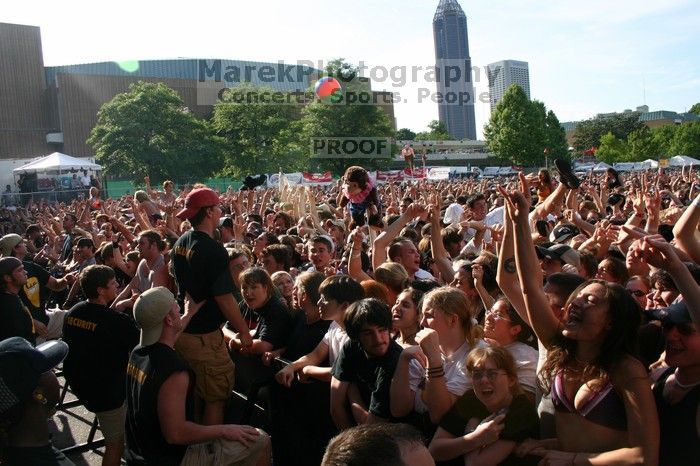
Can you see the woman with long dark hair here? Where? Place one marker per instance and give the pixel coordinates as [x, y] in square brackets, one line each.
[597, 385]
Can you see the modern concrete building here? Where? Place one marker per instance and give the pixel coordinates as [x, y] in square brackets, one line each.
[504, 73]
[455, 97]
[49, 109]
[653, 119]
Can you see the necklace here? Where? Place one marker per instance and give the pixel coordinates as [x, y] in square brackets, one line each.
[682, 385]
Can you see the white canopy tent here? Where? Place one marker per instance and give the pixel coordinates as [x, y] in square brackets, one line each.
[682, 160]
[57, 162]
[601, 167]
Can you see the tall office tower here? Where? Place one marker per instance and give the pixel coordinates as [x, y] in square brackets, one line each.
[504, 73]
[454, 66]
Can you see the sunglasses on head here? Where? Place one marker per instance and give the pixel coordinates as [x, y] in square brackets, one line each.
[684, 328]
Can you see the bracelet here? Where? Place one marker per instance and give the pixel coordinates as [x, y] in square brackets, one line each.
[435, 372]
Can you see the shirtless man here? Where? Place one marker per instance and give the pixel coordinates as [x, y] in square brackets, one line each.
[150, 272]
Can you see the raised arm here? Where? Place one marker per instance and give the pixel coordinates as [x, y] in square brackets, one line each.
[440, 256]
[686, 231]
[541, 317]
[392, 231]
[506, 274]
[355, 262]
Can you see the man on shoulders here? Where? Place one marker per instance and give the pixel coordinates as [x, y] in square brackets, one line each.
[159, 430]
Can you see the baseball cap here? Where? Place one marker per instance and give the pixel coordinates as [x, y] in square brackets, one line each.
[21, 365]
[560, 252]
[676, 313]
[150, 309]
[338, 223]
[195, 200]
[453, 214]
[225, 222]
[8, 243]
[563, 232]
[8, 265]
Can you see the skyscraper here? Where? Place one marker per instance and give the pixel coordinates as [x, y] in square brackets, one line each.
[504, 73]
[454, 84]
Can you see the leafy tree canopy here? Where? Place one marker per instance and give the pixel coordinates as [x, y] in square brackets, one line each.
[520, 130]
[589, 132]
[346, 118]
[437, 131]
[259, 136]
[405, 134]
[148, 131]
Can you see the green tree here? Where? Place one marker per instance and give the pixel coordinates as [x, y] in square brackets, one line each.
[258, 135]
[344, 119]
[516, 129]
[663, 138]
[589, 132]
[611, 149]
[555, 137]
[148, 131]
[405, 134]
[686, 140]
[695, 109]
[437, 131]
[642, 145]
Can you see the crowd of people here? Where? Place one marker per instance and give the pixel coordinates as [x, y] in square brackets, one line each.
[540, 319]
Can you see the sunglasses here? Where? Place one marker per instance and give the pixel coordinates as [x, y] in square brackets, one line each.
[491, 374]
[685, 329]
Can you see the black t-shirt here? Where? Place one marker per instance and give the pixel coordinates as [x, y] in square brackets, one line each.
[371, 375]
[304, 337]
[15, 318]
[521, 421]
[149, 367]
[34, 293]
[122, 278]
[100, 340]
[200, 267]
[273, 322]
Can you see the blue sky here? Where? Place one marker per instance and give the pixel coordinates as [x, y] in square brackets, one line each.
[585, 57]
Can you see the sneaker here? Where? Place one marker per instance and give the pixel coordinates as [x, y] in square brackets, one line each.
[566, 175]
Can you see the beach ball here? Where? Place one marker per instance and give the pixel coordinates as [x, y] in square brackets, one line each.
[328, 88]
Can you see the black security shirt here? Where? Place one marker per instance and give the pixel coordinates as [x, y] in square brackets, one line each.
[99, 341]
[200, 267]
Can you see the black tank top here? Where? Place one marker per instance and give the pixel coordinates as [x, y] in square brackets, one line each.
[149, 367]
[680, 443]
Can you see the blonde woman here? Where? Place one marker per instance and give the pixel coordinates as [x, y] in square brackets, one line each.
[431, 376]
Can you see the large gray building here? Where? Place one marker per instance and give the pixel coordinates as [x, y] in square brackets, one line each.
[452, 52]
[48, 109]
[504, 73]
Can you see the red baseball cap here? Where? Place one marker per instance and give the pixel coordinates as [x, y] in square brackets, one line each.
[198, 198]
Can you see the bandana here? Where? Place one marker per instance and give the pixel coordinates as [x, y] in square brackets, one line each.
[358, 197]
